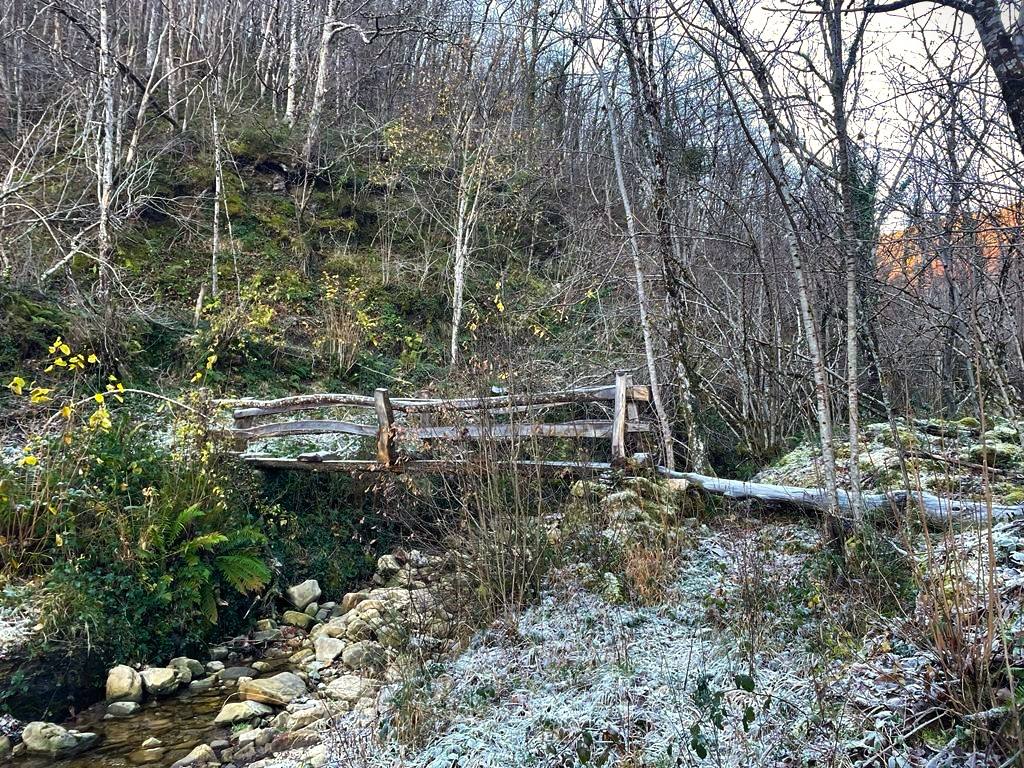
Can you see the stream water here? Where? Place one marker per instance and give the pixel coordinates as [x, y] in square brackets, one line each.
[181, 722]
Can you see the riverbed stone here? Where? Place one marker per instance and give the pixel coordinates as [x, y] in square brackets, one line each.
[201, 755]
[159, 681]
[301, 595]
[240, 712]
[146, 756]
[215, 666]
[202, 684]
[233, 673]
[54, 740]
[365, 653]
[123, 708]
[350, 688]
[328, 648]
[298, 619]
[124, 684]
[278, 690]
[192, 665]
[266, 635]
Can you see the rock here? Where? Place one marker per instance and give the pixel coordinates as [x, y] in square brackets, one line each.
[53, 740]
[233, 673]
[123, 708]
[312, 608]
[308, 714]
[159, 681]
[124, 684]
[350, 688]
[213, 667]
[298, 619]
[303, 594]
[357, 629]
[258, 737]
[352, 599]
[301, 656]
[201, 755]
[365, 653]
[195, 668]
[261, 666]
[146, 756]
[240, 712]
[5, 745]
[266, 636]
[328, 648]
[388, 566]
[264, 624]
[203, 684]
[277, 690]
[218, 653]
[151, 742]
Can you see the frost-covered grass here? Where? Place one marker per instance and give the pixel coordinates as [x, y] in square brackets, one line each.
[576, 680]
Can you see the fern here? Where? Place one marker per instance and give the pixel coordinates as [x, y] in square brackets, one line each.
[245, 573]
[204, 542]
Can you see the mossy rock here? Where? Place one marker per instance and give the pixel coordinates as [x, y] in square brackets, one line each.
[997, 454]
[969, 422]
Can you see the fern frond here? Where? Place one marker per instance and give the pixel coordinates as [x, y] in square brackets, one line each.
[244, 573]
[208, 604]
[205, 542]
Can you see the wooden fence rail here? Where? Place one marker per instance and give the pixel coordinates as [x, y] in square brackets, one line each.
[623, 396]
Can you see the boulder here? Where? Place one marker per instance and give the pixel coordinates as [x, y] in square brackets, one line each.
[54, 740]
[299, 619]
[240, 712]
[159, 681]
[328, 648]
[123, 708]
[278, 690]
[146, 755]
[213, 667]
[194, 667]
[388, 566]
[350, 688]
[352, 599]
[124, 684]
[365, 653]
[201, 755]
[233, 673]
[266, 635]
[303, 594]
[203, 684]
[308, 714]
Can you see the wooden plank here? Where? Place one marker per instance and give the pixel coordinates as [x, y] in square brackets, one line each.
[248, 408]
[430, 466]
[618, 429]
[581, 429]
[385, 427]
[308, 427]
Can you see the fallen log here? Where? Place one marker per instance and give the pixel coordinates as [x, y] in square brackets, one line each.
[936, 510]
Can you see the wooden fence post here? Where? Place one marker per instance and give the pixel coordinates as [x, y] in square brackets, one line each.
[619, 418]
[385, 427]
[241, 442]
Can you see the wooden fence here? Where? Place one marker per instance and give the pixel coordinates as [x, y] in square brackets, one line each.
[423, 419]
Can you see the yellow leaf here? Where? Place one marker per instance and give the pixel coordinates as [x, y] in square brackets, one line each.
[64, 349]
[60, 362]
[60, 540]
[197, 376]
[66, 411]
[98, 397]
[17, 385]
[29, 461]
[40, 395]
[93, 359]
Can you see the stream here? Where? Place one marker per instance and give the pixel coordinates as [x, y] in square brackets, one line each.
[181, 722]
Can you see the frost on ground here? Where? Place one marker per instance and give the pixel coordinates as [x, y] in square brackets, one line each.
[577, 680]
[19, 618]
